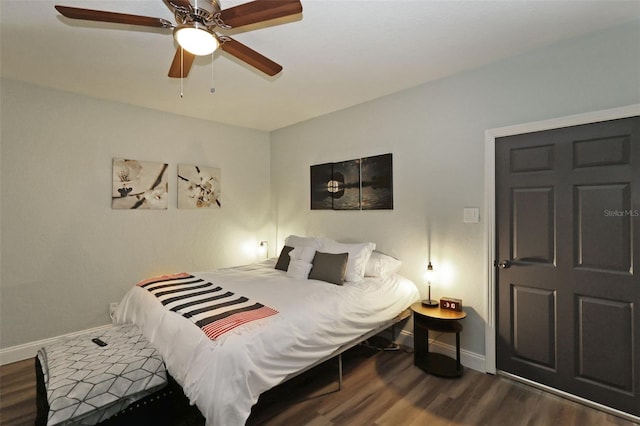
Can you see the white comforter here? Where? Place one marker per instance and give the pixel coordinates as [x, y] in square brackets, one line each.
[225, 377]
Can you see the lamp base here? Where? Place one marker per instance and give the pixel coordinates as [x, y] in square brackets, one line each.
[428, 303]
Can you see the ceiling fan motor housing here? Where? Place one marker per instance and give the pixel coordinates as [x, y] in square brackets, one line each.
[202, 11]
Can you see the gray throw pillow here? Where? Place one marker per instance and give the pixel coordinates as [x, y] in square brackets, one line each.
[283, 260]
[329, 267]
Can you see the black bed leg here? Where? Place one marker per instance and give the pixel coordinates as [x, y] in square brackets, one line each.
[340, 372]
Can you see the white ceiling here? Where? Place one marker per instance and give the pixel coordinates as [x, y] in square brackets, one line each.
[338, 53]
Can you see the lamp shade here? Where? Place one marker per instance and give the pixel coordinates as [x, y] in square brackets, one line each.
[263, 248]
[196, 38]
[429, 274]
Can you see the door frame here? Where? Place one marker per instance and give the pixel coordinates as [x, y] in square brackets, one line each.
[490, 198]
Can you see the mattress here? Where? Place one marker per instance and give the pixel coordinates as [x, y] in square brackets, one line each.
[225, 376]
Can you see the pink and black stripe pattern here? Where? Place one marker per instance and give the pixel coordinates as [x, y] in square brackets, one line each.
[210, 307]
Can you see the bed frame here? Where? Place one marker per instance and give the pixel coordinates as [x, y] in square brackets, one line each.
[338, 352]
[169, 406]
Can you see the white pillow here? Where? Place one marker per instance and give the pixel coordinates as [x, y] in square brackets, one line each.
[304, 253]
[359, 255]
[381, 265]
[299, 269]
[295, 241]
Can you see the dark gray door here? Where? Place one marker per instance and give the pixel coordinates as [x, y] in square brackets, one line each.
[568, 243]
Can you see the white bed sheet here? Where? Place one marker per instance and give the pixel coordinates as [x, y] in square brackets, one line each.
[225, 377]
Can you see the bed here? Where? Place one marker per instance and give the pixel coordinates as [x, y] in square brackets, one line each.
[303, 318]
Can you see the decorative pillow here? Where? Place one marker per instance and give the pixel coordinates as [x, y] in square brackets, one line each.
[304, 253]
[298, 269]
[381, 265]
[295, 241]
[329, 267]
[283, 260]
[359, 255]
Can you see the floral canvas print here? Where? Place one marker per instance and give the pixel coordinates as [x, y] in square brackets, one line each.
[139, 184]
[198, 187]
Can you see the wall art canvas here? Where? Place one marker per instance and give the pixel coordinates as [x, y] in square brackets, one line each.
[322, 187]
[346, 185]
[377, 182]
[361, 184]
[198, 187]
[139, 184]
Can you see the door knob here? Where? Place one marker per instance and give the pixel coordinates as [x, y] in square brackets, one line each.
[504, 264]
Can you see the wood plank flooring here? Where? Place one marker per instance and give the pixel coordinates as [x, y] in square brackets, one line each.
[18, 393]
[380, 388]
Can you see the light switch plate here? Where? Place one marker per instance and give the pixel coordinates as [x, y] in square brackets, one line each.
[471, 215]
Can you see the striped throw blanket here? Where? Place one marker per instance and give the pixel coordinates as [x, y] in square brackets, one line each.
[210, 307]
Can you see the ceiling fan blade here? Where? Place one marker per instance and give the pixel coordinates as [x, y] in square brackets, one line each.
[259, 11]
[250, 56]
[181, 64]
[118, 18]
[180, 3]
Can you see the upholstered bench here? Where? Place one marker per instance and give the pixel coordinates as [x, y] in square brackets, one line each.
[87, 381]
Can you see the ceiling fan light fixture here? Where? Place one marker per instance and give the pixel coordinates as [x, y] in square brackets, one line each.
[196, 39]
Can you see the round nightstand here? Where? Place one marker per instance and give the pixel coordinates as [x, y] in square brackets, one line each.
[443, 321]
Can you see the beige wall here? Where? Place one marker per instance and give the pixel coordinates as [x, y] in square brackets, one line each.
[65, 253]
[436, 133]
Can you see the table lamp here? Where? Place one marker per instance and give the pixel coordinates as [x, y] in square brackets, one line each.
[429, 303]
[263, 249]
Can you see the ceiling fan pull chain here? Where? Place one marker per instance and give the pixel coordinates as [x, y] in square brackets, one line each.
[213, 89]
[181, 73]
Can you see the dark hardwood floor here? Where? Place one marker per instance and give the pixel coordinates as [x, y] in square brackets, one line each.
[18, 393]
[380, 388]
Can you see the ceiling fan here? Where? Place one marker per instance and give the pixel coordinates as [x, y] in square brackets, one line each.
[195, 28]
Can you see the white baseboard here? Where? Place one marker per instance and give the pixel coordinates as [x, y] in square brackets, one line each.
[30, 350]
[467, 358]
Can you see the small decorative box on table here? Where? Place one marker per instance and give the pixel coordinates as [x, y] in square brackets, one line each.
[443, 321]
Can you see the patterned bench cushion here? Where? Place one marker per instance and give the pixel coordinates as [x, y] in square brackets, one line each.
[87, 383]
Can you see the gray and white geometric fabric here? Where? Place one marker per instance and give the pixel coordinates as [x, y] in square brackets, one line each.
[87, 383]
